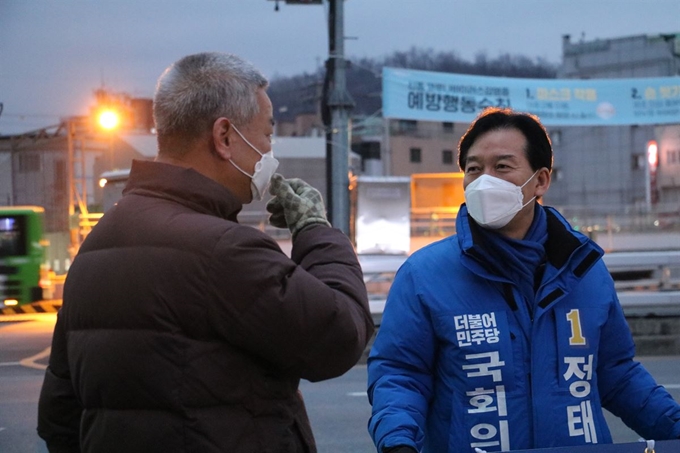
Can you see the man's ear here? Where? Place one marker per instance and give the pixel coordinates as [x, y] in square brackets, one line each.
[221, 137]
[543, 179]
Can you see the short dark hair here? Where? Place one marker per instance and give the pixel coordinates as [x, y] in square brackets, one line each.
[539, 150]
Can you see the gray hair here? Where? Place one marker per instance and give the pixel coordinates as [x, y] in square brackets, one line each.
[197, 89]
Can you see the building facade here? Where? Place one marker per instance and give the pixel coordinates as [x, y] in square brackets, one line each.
[422, 147]
[605, 171]
[602, 175]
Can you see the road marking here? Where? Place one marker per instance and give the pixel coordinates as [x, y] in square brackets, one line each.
[357, 394]
[2, 428]
[10, 363]
[29, 362]
[671, 386]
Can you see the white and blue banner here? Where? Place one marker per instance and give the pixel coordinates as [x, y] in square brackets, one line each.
[438, 96]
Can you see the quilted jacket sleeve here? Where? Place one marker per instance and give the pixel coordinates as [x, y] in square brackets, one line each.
[627, 388]
[307, 314]
[58, 409]
[400, 368]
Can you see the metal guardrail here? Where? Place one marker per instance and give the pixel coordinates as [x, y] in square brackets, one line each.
[654, 269]
[652, 275]
[641, 260]
[379, 271]
[634, 303]
[650, 303]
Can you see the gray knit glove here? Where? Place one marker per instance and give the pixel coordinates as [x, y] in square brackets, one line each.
[295, 205]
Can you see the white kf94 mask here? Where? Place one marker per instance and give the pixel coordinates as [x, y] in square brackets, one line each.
[494, 202]
[264, 170]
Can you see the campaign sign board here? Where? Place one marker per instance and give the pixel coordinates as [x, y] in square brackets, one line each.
[665, 446]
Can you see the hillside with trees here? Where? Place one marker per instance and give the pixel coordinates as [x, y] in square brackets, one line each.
[299, 94]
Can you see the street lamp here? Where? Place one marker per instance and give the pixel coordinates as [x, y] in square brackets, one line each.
[108, 119]
[652, 189]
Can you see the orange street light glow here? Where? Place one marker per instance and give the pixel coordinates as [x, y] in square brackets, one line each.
[652, 153]
[109, 119]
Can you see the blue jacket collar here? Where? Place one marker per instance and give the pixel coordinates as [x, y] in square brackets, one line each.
[566, 249]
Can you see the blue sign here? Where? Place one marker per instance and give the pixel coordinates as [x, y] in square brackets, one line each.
[444, 97]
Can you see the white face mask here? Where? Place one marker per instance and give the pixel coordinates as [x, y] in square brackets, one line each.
[494, 202]
[264, 170]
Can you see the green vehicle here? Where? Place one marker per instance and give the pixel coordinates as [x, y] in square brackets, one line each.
[23, 275]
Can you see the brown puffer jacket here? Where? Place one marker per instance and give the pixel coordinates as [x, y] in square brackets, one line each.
[183, 331]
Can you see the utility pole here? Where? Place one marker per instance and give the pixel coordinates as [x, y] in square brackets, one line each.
[337, 104]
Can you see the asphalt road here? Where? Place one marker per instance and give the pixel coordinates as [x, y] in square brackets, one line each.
[338, 408]
[23, 356]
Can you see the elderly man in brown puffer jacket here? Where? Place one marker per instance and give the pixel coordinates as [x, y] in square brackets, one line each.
[182, 330]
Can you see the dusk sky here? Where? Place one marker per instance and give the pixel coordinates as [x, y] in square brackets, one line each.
[55, 53]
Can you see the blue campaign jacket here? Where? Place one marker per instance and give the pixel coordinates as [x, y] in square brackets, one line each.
[461, 361]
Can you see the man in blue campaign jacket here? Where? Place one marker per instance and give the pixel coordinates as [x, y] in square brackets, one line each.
[508, 335]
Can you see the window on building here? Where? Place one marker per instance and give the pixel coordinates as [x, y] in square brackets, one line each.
[447, 127]
[29, 163]
[638, 161]
[407, 125]
[415, 155]
[447, 157]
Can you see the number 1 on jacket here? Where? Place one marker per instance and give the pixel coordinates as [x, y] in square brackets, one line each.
[576, 338]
